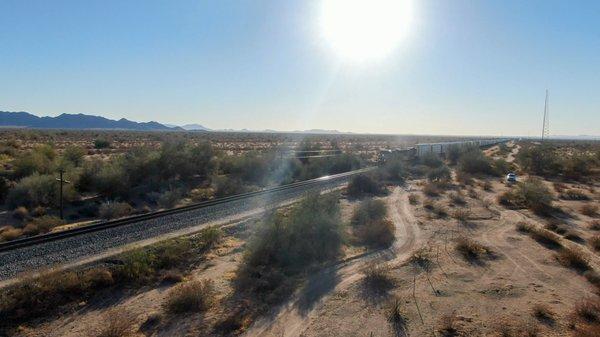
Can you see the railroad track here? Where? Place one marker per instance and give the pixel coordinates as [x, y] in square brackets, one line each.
[39, 239]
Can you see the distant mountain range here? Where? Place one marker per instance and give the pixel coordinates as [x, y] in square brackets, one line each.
[77, 121]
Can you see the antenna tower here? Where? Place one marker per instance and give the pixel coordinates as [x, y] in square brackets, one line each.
[546, 122]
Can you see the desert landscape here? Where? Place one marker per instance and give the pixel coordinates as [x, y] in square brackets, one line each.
[426, 247]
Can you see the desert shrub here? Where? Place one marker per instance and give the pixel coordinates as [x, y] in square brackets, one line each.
[574, 194]
[487, 186]
[543, 313]
[532, 194]
[394, 171]
[172, 253]
[172, 276]
[431, 160]
[397, 318]
[38, 190]
[472, 250]
[287, 243]
[192, 296]
[501, 167]
[39, 160]
[453, 154]
[439, 174]
[378, 279]
[524, 227]
[588, 330]
[557, 227]
[573, 258]
[588, 310]
[116, 323]
[370, 225]
[464, 178]
[97, 278]
[593, 277]
[595, 225]
[449, 325]
[362, 185]
[113, 210]
[201, 194]
[225, 186]
[539, 160]
[542, 236]
[590, 210]
[462, 215]
[431, 189]
[594, 242]
[438, 210]
[43, 224]
[20, 213]
[101, 143]
[559, 187]
[475, 162]
[573, 236]
[413, 199]
[74, 155]
[39, 211]
[457, 198]
[169, 199]
[11, 233]
[137, 266]
[421, 259]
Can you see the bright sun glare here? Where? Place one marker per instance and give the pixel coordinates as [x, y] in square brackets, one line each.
[364, 30]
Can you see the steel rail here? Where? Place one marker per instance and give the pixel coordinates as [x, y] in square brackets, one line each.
[38, 239]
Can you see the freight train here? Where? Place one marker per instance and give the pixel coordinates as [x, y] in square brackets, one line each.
[440, 149]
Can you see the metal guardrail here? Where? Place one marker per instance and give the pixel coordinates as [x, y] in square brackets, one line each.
[34, 240]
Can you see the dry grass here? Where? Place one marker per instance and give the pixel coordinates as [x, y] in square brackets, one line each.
[172, 276]
[378, 278]
[421, 258]
[594, 242]
[556, 227]
[588, 310]
[192, 296]
[590, 210]
[573, 236]
[457, 198]
[588, 330]
[595, 225]
[413, 199]
[431, 189]
[11, 233]
[396, 317]
[543, 313]
[573, 258]
[472, 250]
[461, 214]
[574, 194]
[116, 323]
[437, 209]
[449, 325]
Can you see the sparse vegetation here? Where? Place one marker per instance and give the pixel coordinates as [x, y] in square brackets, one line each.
[370, 225]
[472, 250]
[532, 194]
[114, 210]
[362, 185]
[573, 258]
[191, 296]
[378, 279]
[543, 313]
[574, 194]
[594, 242]
[117, 323]
[413, 199]
[590, 210]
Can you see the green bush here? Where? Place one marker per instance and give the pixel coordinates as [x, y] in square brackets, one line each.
[287, 243]
[39, 160]
[363, 184]
[439, 174]
[532, 194]
[138, 265]
[192, 296]
[101, 143]
[38, 190]
[475, 162]
[74, 155]
[113, 210]
[370, 225]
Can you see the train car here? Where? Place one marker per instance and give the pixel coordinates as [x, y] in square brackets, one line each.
[443, 148]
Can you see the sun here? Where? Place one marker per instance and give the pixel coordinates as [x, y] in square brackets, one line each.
[364, 30]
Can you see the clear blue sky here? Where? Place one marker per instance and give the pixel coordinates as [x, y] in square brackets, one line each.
[465, 66]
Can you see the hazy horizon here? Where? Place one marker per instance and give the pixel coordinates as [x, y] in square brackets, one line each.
[460, 68]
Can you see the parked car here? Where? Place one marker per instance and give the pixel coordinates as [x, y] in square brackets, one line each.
[511, 178]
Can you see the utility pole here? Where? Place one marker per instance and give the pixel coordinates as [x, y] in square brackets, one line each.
[62, 181]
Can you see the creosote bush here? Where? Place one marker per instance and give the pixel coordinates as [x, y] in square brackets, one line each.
[532, 194]
[370, 225]
[573, 258]
[362, 185]
[472, 250]
[113, 210]
[192, 296]
[286, 243]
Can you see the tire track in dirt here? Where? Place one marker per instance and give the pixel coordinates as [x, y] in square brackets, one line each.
[291, 320]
